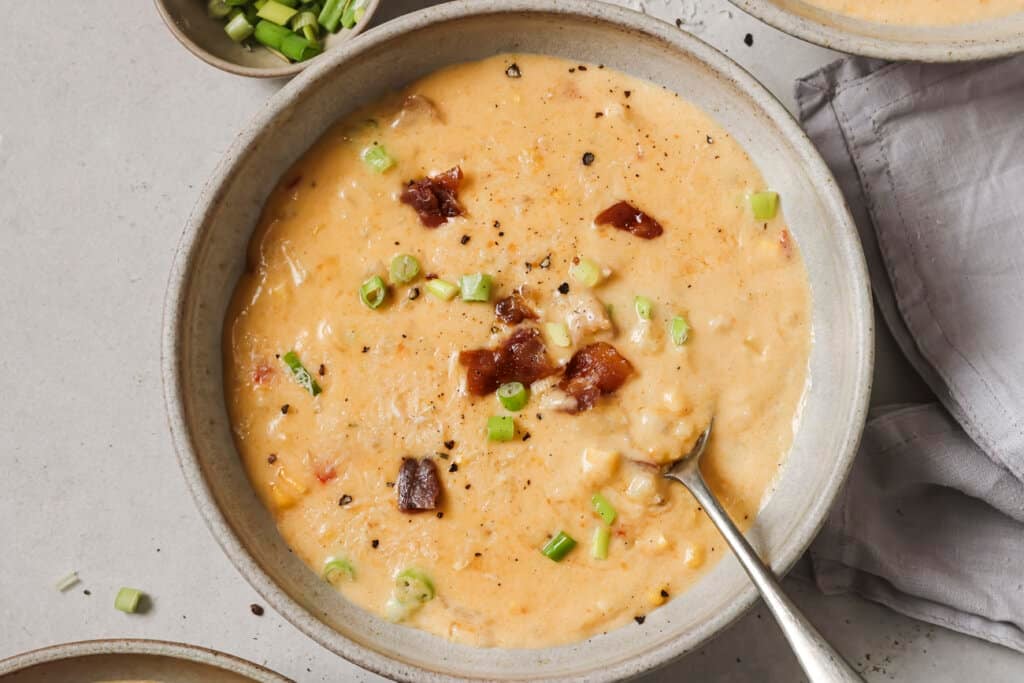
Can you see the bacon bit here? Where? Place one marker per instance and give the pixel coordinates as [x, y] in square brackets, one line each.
[520, 358]
[594, 371]
[261, 373]
[435, 198]
[513, 310]
[786, 243]
[324, 472]
[419, 487]
[625, 216]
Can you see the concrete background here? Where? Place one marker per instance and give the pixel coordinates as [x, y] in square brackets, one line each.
[108, 129]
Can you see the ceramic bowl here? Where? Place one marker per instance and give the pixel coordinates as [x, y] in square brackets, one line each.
[132, 659]
[211, 257]
[982, 40]
[205, 38]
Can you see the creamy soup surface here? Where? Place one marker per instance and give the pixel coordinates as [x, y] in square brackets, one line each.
[544, 146]
[922, 12]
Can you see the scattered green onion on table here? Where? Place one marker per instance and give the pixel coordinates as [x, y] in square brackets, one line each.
[291, 29]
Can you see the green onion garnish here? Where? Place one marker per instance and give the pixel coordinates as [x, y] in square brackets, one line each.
[336, 569]
[513, 396]
[764, 205]
[558, 334]
[353, 13]
[276, 12]
[442, 289]
[679, 328]
[127, 599]
[404, 268]
[643, 307]
[238, 28]
[586, 272]
[330, 15]
[301, 375]
[599, 546]
[218, 9]
[500, 428]
[377, 158]
[603, 508]
[297, 48]
[475, 287]
[413, 585]
[373, 292]
[558, 547]
[270, 34]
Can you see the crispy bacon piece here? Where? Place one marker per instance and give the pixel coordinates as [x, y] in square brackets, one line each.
[593, 371]
[513, 310]
[520, 358]
[418, 485]
[625, 216]
[435, 198]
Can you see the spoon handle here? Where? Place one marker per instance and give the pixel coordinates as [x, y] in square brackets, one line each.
[819, 660]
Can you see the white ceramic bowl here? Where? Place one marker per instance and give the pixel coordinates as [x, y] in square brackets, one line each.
[211, 257]
[983, 40]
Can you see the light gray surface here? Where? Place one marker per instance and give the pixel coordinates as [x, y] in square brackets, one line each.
[108, 128]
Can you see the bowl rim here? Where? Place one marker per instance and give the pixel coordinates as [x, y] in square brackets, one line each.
[186, 254]
[832, 38]
[283, 71]
[140, 646]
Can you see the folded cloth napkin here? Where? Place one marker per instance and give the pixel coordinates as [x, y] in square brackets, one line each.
[931, 160]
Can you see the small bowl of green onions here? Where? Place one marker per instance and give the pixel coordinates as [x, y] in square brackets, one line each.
[264, 38]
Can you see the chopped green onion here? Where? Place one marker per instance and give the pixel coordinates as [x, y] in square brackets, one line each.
[413, 585]
[270, 34]
[404, 268]
[643, 307]
[475, 287]
[586, 272]
[289, 3]
[67, 582]
[218, 9]
[558, 334]
[353, 13]
[558, 547]
[330, 15]
[513, 396]
[679, 328]
[599, 547]
[500, 428]
[277, 13]
[603, 508]
[127, 599]
[442, 289]
[373, 292]
[305, 21]
[336, 569]
[239, 28]
[297, 48]
[301, 374]
[377, 158]
[764, 205]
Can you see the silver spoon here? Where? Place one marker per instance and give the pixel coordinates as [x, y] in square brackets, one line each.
[819, 660]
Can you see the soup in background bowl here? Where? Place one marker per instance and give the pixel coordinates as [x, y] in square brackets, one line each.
[713, 93]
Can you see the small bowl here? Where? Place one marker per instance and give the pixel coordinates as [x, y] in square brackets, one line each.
[204, 37]
[131, 658]
[212, 254]
[961, 43]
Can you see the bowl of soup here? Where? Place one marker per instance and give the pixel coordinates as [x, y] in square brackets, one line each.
[454, 296]
[915, 30]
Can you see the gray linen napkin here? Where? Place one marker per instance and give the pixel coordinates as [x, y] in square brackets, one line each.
[931, 160]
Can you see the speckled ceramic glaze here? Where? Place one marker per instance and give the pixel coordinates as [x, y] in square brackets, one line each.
[982, 40]
[205, 38]
[212, 253]
[130, 659]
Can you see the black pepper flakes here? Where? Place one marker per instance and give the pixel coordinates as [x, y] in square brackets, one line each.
[366, 349]
[627, 93]
[748, 39]
[664, 593]
[581, 67]
[344, 500]
[497, 224]
[526, 436]
[440, 515]
[454, 467]
[464, 240]
[272, 458]
[375, 542]
[284, 409]
[322, 370]
[546, 262]
[563, 288]
[414, 293]
[710, 140]
[640, 619]
[588, 158]
[449, 444]
[512, 71]
[256, 609]
[598, 114]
